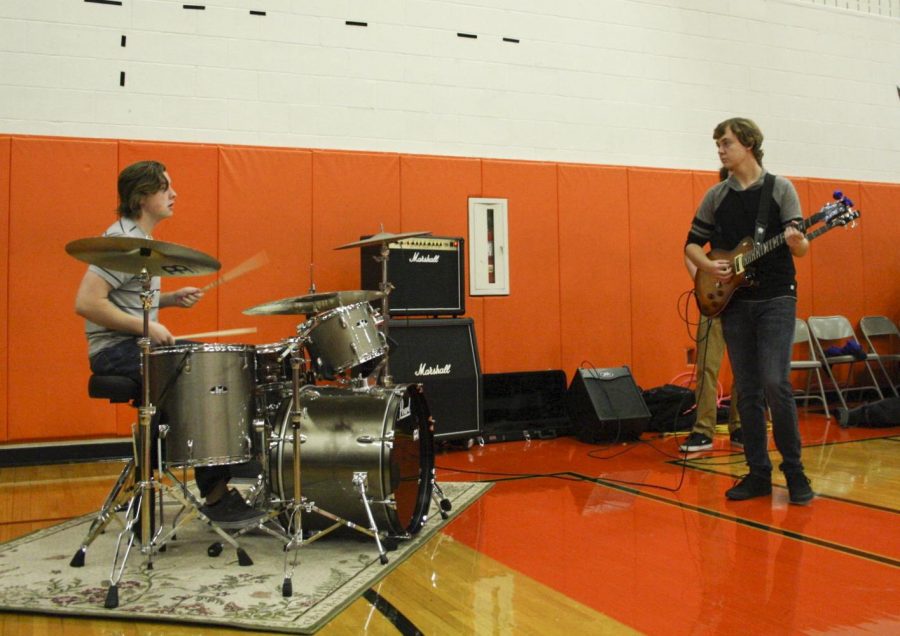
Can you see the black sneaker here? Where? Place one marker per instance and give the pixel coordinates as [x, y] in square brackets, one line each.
[843, 417]
[737, 438]
[696, 442]
[799, 488]
[749, 487]
[231, 511]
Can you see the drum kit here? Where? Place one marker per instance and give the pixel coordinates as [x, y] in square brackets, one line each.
[336, 444]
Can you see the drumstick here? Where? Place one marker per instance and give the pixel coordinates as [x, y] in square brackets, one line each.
[216, 334]
[247, 266]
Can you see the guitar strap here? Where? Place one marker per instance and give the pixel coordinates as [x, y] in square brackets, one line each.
[765, 200]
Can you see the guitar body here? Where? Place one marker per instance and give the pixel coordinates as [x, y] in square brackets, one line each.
[712, 294]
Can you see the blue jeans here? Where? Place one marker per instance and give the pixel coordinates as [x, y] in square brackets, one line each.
[760, 339]
[124, 358]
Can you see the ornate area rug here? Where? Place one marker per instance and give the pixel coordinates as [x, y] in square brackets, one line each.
[186, 585]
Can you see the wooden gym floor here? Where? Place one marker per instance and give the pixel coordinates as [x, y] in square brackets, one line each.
[585, 539]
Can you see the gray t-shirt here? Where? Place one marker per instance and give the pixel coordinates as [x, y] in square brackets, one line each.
[125, 293]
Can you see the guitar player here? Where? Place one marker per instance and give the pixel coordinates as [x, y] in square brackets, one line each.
[758, 321]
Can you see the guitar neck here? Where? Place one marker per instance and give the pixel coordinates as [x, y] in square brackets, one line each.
[777, 241]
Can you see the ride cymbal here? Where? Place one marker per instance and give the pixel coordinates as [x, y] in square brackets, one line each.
[312, 303]
[381, 237]
[133, 255]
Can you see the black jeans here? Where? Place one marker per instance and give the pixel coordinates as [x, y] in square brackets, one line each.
[760, 339]
[124, 359]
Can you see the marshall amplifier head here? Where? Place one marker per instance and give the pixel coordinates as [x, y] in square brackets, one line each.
[426, 272]
[442, 355]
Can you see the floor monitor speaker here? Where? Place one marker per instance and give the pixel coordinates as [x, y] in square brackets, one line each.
[442, 355]
[605, 405]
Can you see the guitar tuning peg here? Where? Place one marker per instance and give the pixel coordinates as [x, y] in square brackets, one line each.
[837, 195]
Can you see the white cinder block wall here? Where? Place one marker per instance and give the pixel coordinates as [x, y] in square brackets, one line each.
[628, 82]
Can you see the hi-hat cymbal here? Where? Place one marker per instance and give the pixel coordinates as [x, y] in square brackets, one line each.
[312, 303]
[381, 237]
[132, 255]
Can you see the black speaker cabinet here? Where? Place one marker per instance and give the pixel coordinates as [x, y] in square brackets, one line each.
[427, 274]
[605, 405]
[442, 355]
[525, 405]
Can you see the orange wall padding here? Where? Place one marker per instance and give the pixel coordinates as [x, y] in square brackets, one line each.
[595, 253]
[431, 189]
[661, 205]
[4, 282]
[353, 194]
[881, 255]
[594, 269]
[265, 208]
[59, 191]
[521, 330]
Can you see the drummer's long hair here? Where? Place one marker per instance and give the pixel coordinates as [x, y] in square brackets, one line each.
[137, 181]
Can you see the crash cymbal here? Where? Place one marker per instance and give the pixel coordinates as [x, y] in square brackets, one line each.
[132, 255]
[312, 303]
[381, 237]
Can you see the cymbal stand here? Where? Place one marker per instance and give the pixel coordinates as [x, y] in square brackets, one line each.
[384, 370]
[140, 504]
[139, 507]
[298, 505]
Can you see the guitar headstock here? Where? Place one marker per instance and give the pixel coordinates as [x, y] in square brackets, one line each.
[846, 215]
[838, 212]
[846, 218]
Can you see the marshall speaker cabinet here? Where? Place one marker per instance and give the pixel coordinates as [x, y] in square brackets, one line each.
[427, 274]
[442, 355]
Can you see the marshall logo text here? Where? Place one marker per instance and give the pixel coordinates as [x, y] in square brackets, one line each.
[433, 370]
[419, 258]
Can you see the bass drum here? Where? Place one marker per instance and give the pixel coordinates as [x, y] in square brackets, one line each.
[385, 433]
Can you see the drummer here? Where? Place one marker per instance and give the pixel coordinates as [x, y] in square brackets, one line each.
[110, 302]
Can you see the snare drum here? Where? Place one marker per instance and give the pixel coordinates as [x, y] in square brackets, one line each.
[274, 374]
[343, 338]
[385, 433]
[204, 393]
[273, 363]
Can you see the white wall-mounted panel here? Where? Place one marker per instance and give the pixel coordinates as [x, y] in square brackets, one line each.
[488, 247]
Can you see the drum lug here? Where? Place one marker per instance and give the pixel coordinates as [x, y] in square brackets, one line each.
[365, 439]
[312, 393]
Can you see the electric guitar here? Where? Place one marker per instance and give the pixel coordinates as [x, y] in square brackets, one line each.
[713, 295]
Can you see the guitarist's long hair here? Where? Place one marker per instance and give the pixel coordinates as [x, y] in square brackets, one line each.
[746, 131]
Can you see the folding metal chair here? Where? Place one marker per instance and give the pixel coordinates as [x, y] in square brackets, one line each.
[828, 330]
[806, 360]
[882, 329]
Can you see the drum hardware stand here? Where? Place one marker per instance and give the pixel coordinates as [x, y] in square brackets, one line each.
[260, 491]
[182, 495]
[444, 504]
[139, 505]
[146, 485]
[384, 369]
[107, 512]
[298, 504]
